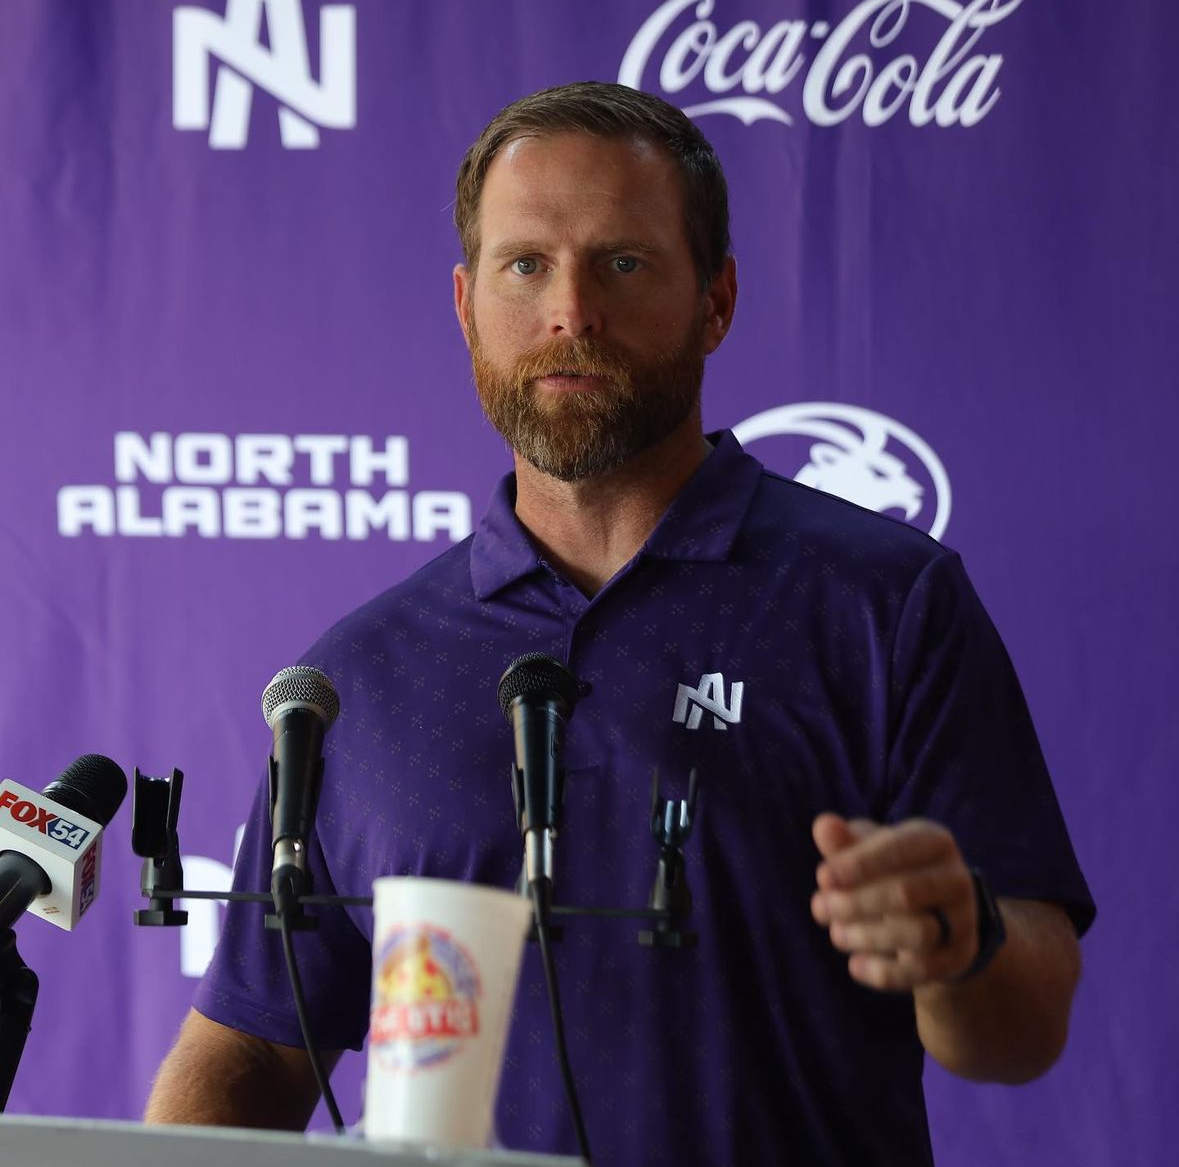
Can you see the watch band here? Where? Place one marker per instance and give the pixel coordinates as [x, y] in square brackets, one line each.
[991, 930]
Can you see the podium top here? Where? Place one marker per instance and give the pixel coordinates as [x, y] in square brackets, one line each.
[27, 1141]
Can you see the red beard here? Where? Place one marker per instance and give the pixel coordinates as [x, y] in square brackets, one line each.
[583, 433]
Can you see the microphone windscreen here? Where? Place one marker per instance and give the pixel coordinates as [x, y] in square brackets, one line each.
[536, 674]
[92, 785]
[301, 685]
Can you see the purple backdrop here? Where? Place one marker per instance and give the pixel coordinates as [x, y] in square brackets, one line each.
[236, 403]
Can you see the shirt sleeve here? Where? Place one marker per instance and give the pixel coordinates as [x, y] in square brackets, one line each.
[247, 986]
[964, 751]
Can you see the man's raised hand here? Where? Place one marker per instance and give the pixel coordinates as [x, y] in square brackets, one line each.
[898, 899]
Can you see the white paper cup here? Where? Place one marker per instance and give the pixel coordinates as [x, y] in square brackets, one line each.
[446, 957]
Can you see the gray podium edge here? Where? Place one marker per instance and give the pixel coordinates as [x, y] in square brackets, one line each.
[27, 1141]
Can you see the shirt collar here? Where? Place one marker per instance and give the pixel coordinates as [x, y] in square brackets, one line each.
[701, 524]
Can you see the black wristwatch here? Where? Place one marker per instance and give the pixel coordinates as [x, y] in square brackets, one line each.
[991, 932]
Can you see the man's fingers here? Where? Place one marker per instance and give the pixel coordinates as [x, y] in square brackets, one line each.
[903, 970]
[890, 935]
[897, 899]
[946, 885]
[833, 834]
[886, 850]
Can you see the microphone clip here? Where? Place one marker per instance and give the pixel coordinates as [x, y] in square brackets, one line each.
[155, 810]
[671, 824]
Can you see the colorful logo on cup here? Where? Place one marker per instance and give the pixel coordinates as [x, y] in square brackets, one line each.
[425, 998]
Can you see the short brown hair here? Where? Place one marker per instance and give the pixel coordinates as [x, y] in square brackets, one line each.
[607, 111]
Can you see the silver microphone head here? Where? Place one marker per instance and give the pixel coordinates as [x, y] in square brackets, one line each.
[300, 686]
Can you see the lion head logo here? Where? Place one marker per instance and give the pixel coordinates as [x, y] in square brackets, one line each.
[862, 456]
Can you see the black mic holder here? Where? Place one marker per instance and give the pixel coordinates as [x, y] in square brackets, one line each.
[670, 901]
[296, 919]
[671, 824]
[155, 811]
[668, 905]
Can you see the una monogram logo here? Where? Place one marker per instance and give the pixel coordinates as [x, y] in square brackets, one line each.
[708, 697]
[282, 68]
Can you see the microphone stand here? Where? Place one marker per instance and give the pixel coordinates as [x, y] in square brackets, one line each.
[18, 996]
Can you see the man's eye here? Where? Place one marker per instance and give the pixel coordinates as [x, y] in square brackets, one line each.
[625, 263]
[524, 267]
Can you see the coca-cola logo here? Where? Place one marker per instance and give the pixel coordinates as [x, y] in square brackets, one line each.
[857, 65]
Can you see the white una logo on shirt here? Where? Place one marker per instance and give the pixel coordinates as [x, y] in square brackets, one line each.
[708, 697]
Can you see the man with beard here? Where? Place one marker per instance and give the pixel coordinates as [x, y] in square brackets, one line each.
[869, 778]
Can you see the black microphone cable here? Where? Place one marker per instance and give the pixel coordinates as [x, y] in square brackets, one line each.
[321, 1078]
[550, 979]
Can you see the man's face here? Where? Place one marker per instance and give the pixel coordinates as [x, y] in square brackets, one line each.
[585, 318]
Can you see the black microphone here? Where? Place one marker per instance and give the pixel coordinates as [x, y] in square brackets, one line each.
[537, 695]
[299, 705]
[51, 842]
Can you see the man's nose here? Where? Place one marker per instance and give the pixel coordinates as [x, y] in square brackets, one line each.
[575, 303]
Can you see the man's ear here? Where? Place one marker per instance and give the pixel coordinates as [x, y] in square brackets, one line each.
[462, 298]
[721, 300]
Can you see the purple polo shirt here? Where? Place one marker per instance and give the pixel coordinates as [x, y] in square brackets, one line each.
[803, 655]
